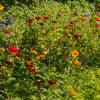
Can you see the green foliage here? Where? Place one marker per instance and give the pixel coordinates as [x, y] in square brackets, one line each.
[40, 64]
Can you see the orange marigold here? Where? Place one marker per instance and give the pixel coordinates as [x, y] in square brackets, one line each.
[75, 53]
[73, 93]
[97, 18]
[77, 63]
[42, 56]
[34, 51]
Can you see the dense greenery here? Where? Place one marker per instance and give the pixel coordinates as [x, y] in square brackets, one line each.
[49, 50]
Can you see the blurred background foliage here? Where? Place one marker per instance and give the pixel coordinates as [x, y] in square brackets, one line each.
[35, 2]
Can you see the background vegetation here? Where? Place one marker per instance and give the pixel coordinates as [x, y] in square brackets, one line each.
[49, 50]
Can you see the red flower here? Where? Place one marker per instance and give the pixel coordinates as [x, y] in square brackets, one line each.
[71, 23]
[10, 63]
[46, 17]
[31, 68]
[77, 36]
[38, 17]
[13, 49]
[29, 21]
[97, 25]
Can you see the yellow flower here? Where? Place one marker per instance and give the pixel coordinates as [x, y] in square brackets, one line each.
[77, 63]
[17, 85]
[75, 53]
[2, 50]
[1, 8]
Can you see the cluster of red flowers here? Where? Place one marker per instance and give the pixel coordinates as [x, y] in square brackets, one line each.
[12, 49]
[30, 66]
[97, 24]
[76, 36]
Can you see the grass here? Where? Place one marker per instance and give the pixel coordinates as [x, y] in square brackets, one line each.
[50, 52]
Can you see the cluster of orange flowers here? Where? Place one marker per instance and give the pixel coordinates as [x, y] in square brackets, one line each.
[75, 54]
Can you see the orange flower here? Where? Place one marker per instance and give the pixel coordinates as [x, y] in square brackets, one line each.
[73, 92]
[77, 63]
[42, 56]
[97, 18]
[6, 30]
[75, 53]
[34, 51]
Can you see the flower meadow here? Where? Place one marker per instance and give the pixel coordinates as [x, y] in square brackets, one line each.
[50, 51]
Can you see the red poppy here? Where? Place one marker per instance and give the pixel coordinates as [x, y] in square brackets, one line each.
[77, 36]
[46, 17]
[29, 21]
[38, 17]
[13, 49]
